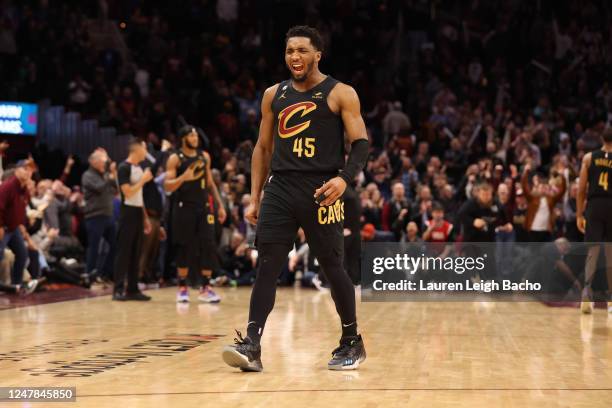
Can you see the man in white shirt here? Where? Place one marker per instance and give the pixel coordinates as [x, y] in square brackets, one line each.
[133, 222]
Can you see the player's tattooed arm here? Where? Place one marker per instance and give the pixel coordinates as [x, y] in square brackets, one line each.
[213, 187]
[582, 189]
[172, 182]
[262, 154]
[344, 99]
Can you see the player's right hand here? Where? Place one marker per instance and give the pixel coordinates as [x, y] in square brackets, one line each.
[581, 223]
[189, 174]
[252, 213]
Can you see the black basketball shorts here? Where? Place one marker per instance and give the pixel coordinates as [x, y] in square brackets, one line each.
[598, 217]
[193, 234]
[288, 203]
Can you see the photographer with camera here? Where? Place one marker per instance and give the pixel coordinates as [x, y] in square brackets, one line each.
[99, 183]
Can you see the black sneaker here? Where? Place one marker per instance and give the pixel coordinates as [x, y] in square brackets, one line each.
[139, 296]
[348, 355]
[119, 297]
[245, 354]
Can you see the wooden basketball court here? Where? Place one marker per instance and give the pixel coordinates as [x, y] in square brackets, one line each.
[160, 354]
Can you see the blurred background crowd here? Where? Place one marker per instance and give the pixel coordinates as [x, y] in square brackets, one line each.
[468, 105]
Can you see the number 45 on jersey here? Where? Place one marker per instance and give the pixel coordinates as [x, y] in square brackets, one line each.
[305, 146]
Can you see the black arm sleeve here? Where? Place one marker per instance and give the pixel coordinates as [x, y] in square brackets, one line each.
[356, 161]
[124, 171]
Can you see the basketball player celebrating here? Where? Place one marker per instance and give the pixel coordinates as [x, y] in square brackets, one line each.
[189, 177]
[595, 193]
[301, 140]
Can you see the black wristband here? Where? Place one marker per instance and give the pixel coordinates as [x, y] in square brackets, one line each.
[356, 161]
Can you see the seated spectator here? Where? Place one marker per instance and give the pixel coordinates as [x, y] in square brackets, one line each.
[439, 231]
[422, 212]
[58, 215]
[556, 274]
[6, 265]
[396, 211]
[237, 263]
[372, 203]
[411, 234]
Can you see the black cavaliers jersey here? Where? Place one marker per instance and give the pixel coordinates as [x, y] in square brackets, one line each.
[599, 175]
[195, 191]
[308, 136]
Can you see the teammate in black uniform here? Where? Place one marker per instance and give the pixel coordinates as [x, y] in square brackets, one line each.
[597, 225]
[189, 177]
[301, 140]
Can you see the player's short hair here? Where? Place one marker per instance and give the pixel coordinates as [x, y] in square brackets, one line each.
[306, 31]
[185, 130]
[607, 135]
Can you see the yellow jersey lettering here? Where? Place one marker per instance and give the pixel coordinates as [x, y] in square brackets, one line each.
[330, 216]
[331, 213]
[336, 211]
[321, 213]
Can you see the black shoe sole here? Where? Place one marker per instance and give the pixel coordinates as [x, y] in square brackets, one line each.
[137, 297]
[233, 358]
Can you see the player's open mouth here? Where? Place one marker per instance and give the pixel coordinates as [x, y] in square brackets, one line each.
[297, 67]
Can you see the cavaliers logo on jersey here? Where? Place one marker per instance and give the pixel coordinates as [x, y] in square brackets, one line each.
[286, 114]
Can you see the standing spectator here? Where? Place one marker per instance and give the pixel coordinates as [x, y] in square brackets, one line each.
[479, 219]
[14, 199]
[504, 234]
[133, 220]
[479, 216]
[395, 122]
[518, 217]
[99, 183]
[541, 201]
[79, 91]
[3, 147]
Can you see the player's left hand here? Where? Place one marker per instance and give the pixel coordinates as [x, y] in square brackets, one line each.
[333, 190]
[222, 215]
[581, 223]
[147, 226]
